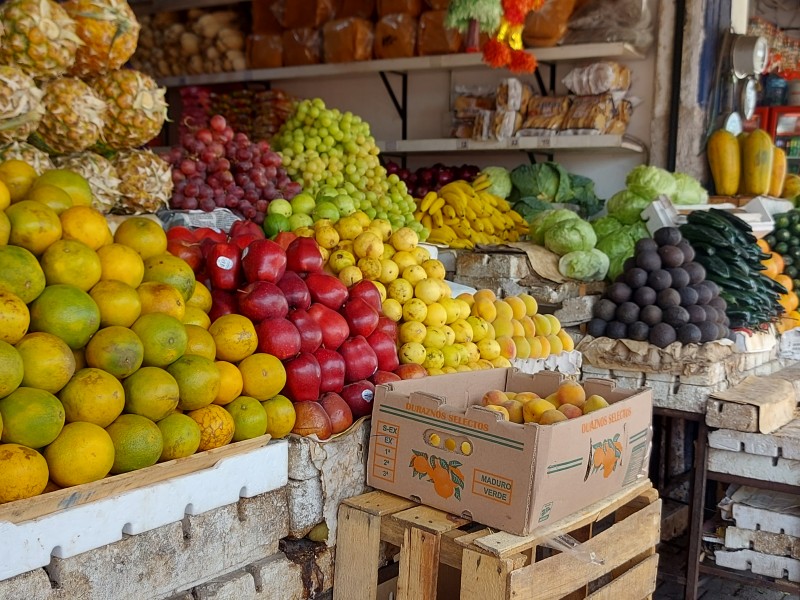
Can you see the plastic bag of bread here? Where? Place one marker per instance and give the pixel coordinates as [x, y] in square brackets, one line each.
[588, 115]
[264, 18]
[618, 124]
[437, 4]
[462, 128]
[467, 106]
[434, 37]
[505, 124]
[347, 40]
[513, 94]
[482, 130]
[598, 78]
[364, 9]
[396, 36]
[545, 115]
[546, 26]
[406, 7]
[302, 47]
[306, 13]
[264, 51]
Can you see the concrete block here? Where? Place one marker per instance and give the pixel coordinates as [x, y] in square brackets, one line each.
[578, 310]
[501, 265]
[277, 578]
[305, 505]
[29, 585]
[301, 466]
[238, 585]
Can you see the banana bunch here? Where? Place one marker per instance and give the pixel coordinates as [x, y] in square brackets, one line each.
[461, 215]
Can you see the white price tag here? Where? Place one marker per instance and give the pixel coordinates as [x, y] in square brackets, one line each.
[790, 344]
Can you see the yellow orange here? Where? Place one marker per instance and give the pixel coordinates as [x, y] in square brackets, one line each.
[17, 177]
[24, 470]
[137, 443]
[121, 263]
[263, 376]
[181, 436]
[143, 235]
[82, 453]
[216, 426]
[118, 302]
[116, 350]
[235, 337]
[200, 342]
[71, 262]
[14, 317]
[201, 298]
[34, 226]
[92, 396]
[151, 392]
[166, 268]
[84, 224]
[163, 298]
[48, 362]
[11, 370]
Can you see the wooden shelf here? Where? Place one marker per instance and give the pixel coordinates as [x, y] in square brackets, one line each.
[444, 62]
[573, 143]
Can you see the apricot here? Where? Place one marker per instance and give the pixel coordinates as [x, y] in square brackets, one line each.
[514, 409]
[517, 305]
[494, 397]
[566, 340]
[489, 348]
[571, 392]
[528, 326]
[501, 409]
[531, 305]
[502, 327]
[508, 349]
[501, 362]
[542, 324]
[570, 411]
[523, 347]
[485, 309]
[552, 416]
[517, 328]
[555, 324]
[534, 409]
[556, 347]
[593, 403]
[485, 293]
[526, 397]
[504, 311]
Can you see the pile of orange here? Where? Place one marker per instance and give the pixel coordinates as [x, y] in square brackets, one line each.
[774, 269]
[108, 360]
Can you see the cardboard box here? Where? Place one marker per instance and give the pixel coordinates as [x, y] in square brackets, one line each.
[510, 476]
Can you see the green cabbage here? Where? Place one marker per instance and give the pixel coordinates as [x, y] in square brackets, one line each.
[584, 196]
[688, 190]
[546, 181]
[584, 265]
[619, 245]
[547, 219]
[570, 236]
[605, 226]
[649, 182]
[500, 180]
[627, 206]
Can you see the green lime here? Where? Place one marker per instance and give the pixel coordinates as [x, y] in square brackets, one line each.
[274, 224]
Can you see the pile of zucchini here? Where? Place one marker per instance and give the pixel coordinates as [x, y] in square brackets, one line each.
[725, 245]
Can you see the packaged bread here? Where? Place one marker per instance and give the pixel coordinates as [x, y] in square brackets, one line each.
[588, 115]
[406, 7]
[264, 51]
[505, 124]
[462, 128]
[264, 18]
[513, 94]
[437, 4]
[618, 124]
[598, 78]
[545, 115]
[363, 9]
[465, 106]
[396, 36]
[434, 37]
[307, 13]
[546, 26]
[302, 47]
[482, 130]
[347, 40]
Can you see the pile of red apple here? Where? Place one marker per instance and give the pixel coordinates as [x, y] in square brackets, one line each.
[335, 343]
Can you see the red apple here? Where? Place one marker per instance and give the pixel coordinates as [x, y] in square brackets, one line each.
[361, 317]
[243, 240]
[295, 290]
[244, 227]
[359, 359]
[284, 238]
[278, 337]
[338, 410]
[206, 244]
[326, 289]
[367, 291]
[332, 368]
[264, 260]
[190, 252]
[262, 300]
[381, 377]
[359, 396]
[224, 266]
[211, 233]
[310, 419]
[334, 326]
[387, 326]
[303, 256]
[411, 371]
[180, 232]
[222, 303]
[302, 378]
[310, 332]
[385, 350]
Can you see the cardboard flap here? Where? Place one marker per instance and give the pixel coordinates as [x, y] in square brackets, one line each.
[481, 414]
[608, 384]
[774, 398]
[545, 381]
[428, 400]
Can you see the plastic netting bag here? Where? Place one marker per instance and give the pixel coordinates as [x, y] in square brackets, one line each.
[629, 21]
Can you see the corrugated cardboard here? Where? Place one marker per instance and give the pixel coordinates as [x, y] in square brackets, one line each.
[513, 477]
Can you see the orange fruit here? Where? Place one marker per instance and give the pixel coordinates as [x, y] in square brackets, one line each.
[280, 416]
[159, 297]
[5, 228]
[249, 418]
[263, 376]
[20, 273]
[144, 235]
[121, 263]
[201, 298]
[66, 312]
[34, 226]
[48, 362]
[235, 337]
[71, 262]
[137, 443]
[51, 196]
[84, 224]
[216, 426]
[24, 471]
[785, 281]
[118, 302]
[92, 396]
[166, 268]
[71, 182]
[18, 177]
[164, 339]
[181, 436]
[230, 383]
[198, 380]
[31, 417]
[789, 302]
[82, 453]
[11, 370]
[5, 196]
[195, 316]
[80, 359]
[151, 392]
[763, 245]
[14, 317]
[116, 350]
[779, 262]
[200, 342]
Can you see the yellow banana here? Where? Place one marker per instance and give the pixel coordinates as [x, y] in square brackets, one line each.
[429, 199]
[418, 214]
[427, 222]
[488, 226]
[503, 205]
[462, 243]
[515, 216]
[436, 206]
[448, 211]
[476, 225]
[452, 221]
[481, 183]
[437, 219]
[471, 214]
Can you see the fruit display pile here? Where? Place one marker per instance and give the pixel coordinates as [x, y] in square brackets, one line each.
[433, 178]
[782, 264]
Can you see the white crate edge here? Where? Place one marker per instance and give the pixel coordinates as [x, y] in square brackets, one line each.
[29, 545]
[779, 567]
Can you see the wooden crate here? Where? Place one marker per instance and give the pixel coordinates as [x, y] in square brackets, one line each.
[496, 565]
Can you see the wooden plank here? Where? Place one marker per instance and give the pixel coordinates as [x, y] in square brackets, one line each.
[453, 543]
[379, 503]
[765, 468]
[429, 519]
[785, 442]
[502, 543]
[757, 404]
[485, 577]
[558, 575]
[419, 565]
[358, 541]
[638, 582]
[31, 508]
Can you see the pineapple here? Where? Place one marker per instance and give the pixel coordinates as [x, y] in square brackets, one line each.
[136, 108]
[74, 118]
[38, 36]
[21, 106]
[109, 31]
[39, 160]
[101, 175]
[146, 182]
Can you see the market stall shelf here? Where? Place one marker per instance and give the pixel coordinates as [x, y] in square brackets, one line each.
[496, 564]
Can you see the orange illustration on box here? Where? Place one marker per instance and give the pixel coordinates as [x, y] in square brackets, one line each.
[446, 477]
[605, 455]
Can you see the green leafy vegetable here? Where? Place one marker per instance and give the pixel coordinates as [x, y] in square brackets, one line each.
[584, 196]
[584, 265]
[619, 245]
[547, 219]
[649, 182]
[605, 226]
[547, 181]
[570, 235]
[500, 180]
[688, 190]
[626, 206]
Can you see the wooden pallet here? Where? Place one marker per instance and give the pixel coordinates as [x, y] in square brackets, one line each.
[495, 565]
